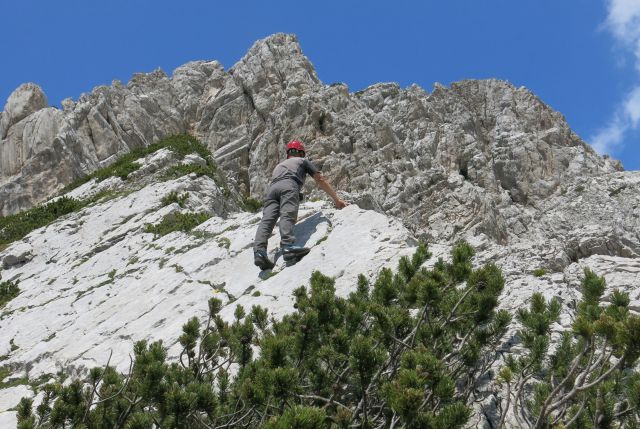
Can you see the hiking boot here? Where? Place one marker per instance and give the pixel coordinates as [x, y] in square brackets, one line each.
[261, 259]
[293, 253]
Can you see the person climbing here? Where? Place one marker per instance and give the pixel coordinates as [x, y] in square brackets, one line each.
[282, 200]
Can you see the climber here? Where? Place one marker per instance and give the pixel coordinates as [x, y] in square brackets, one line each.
[282, 200]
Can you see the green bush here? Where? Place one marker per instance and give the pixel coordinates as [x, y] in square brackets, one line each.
[184, 222]
[224, 242]
[15, 227]
[176, 171]
[8, 291]
[589, 380]
[173, 197]
[539, 272]
[410, 349]
[407, 350]
[252, 205]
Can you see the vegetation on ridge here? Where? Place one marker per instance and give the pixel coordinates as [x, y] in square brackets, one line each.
[412, 350]
[181, 145]
[17, 226]
[184, 222]
[407, 350]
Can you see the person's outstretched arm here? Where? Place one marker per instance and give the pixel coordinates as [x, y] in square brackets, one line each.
[325, 186]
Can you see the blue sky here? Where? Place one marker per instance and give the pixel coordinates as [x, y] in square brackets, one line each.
[580, 57]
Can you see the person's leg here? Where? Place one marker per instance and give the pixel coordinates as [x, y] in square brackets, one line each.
[289, 202]
[270, 214]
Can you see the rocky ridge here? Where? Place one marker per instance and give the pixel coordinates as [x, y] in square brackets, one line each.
[481, 160]
[390, 149]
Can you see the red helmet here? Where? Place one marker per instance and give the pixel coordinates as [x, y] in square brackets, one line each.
[295, 146]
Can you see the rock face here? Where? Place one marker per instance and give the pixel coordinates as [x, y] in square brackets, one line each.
[99, 276]
[480, 160]
[390, 146]
[480, 157]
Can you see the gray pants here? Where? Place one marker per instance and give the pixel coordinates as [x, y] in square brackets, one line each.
[282, 200]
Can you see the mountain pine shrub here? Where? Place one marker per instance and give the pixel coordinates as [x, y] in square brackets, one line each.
[173, 197]
[409, 349]
[252, 205]
[589, 379]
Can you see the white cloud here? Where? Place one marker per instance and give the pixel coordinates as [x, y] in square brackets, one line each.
[626, 118]
[632, 107]
[608, 138]
[623, 21]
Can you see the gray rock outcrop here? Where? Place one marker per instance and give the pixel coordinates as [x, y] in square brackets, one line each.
[480, 160]
[28, 98]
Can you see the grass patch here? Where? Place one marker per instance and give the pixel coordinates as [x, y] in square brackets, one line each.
[99, 285]
[37, 383]
[17, 226]
[224, 242]
[133, 260]
[616, 191]
[270, 274]
[4, 373]
[322, 239]
[112, 274]
[178, 268]
[173, 197]
[8, 291]
[253, 205]
[539, 272]
[184, 222]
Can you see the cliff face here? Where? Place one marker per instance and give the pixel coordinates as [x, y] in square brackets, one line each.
[481, 160]
[479, 157]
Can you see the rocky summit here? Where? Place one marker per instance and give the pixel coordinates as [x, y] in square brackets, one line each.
[480, 160]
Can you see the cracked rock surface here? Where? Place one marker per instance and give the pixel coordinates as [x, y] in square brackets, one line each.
[96, 281]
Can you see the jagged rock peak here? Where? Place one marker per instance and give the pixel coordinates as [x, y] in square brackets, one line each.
[28, 98]
[275, 65]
